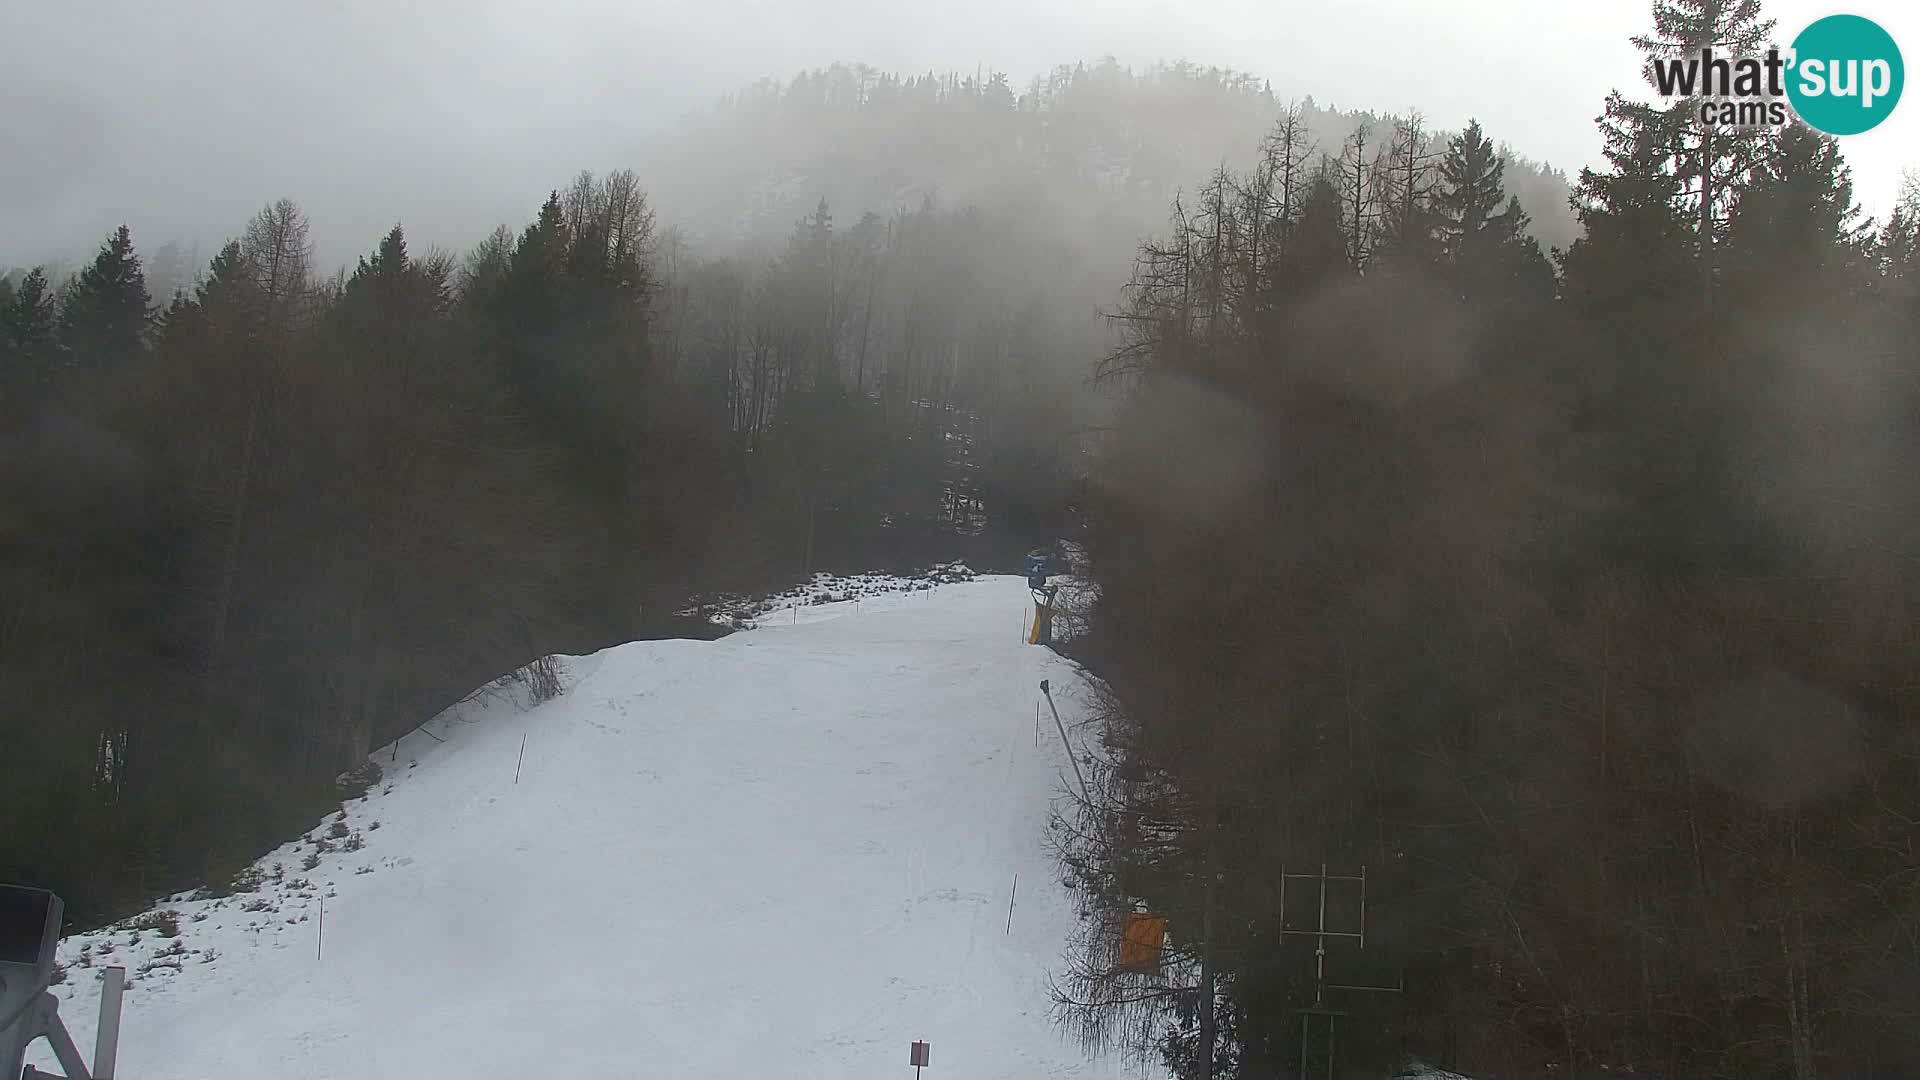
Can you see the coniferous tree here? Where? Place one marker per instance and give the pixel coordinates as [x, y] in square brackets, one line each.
[1488, 246]
[1712, 166]
[1630, 222]
[1473, 190]
[1320, 249]
[1798, 204]
[233, 335]
[532, 297]
[1798, 212]
[418, 457]
[170, 272]
[28, 344]
[1899, 260]
[105, 312]
[1634, 277]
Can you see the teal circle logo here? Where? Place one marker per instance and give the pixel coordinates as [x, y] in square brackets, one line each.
[1846, 74]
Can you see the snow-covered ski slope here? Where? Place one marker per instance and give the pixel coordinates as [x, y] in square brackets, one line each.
[785, 853]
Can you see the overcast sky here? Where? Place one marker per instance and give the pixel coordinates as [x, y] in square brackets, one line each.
[182, 118]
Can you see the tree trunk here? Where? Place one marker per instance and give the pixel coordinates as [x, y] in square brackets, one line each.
[1706, 218]
[1206, 954]
[230, 559]
[866, 335]
[806, 558]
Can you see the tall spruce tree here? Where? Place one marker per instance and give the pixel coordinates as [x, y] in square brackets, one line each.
[1711, 166]
[230, 341]
[105, 313]
[1472, 171]
[28, 344]
[1899, 259]
[1487, 243]
[1798, 211]
[533, 297]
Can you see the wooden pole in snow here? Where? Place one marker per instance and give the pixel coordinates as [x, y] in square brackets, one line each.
[1010, 896]
[522, 757]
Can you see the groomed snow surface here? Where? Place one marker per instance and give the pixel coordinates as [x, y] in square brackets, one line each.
[787, 853]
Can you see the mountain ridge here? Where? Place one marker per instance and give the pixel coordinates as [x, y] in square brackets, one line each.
[1082, 143]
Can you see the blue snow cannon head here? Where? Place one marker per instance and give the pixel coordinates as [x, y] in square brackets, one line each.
[1039, 564]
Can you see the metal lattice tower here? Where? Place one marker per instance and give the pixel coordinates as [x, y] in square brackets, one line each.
[1318, 1021]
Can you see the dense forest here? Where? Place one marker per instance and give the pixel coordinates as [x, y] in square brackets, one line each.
[1568, 600]
[255, 530]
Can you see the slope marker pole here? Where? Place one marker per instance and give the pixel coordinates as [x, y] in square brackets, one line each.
[1010, 896]
[1065, 742]
[522, 757]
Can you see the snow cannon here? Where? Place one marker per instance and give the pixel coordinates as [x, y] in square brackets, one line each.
[1039, 567]
[29, 933]
[30, 922]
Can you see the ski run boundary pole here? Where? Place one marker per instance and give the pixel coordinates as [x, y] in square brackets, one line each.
[1065, 742]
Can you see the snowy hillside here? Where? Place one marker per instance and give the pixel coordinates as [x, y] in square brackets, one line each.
[785, 853]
